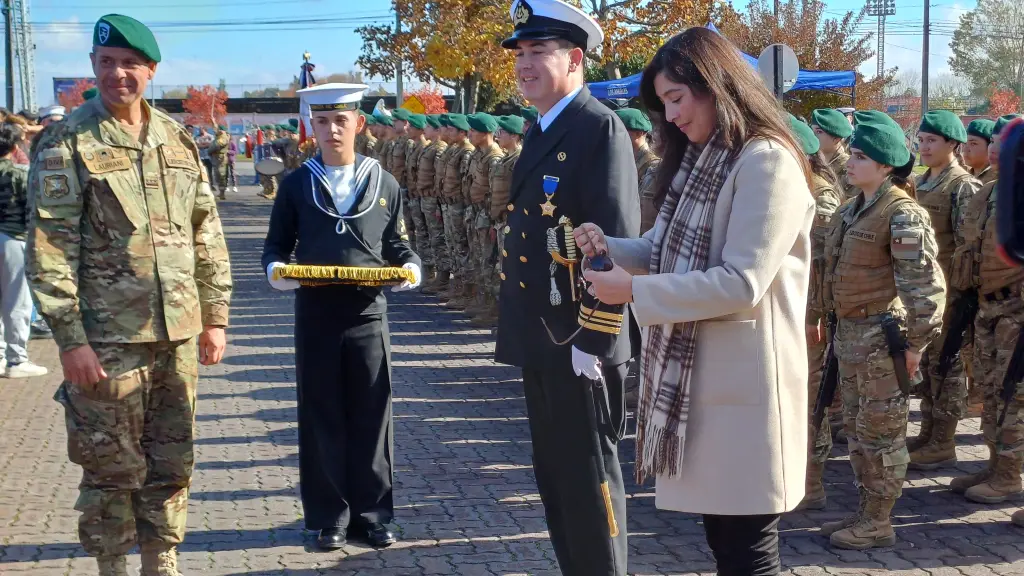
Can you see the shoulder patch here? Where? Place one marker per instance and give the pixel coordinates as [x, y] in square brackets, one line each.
[54, 163]
[906, 244]
[56, 186]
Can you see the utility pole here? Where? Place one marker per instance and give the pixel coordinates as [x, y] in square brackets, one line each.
[9, 54]
[924, 61]
[778, 88]
[881, 9]
[398, 67]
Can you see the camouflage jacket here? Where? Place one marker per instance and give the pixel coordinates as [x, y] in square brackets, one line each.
[13, 198]
[827, 199]
[124, 240]
[648, 207]
[644, 157]
[838, 165]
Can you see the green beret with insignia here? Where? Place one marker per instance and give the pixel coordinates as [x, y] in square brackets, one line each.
[117, 31]
[90, 93]
[832, 122]
[882, 141]
[804, 135]
[384, 120]
[434, 120]
[459, 121]
[944, 123]
[418, 121]
[634, 119]
[530, 113]
[400, 114]
[482, 122]
[1003, 121]
[982, 128]
[511, 124]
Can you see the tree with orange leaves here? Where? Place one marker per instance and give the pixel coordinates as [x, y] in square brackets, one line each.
[72, 98]
[431, 98]
[205, 106]
[1001, 102]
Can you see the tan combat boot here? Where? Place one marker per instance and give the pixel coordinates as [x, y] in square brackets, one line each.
[960, 484]
[924, 436]
[829, 528]
[438, 285]
[452, 294]
[814, 494]
[940, 450]
[112, 566]
[159, 560]
[428, 277]
[475, 303]
[1018, 518]
[1003, 484]
[873, 530]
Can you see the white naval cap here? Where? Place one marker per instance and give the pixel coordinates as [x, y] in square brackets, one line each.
[333, 96]
[551, 19]
[48, 111]
[847, 110]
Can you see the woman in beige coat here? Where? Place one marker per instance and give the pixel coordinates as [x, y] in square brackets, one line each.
[720, 286]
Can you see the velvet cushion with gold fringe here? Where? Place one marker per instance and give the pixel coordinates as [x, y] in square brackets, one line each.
[324, 275]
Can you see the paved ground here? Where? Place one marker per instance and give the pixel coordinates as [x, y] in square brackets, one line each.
[467, 503]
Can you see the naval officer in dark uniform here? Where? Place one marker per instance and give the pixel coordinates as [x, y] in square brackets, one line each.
[342, 209]
[576, 164]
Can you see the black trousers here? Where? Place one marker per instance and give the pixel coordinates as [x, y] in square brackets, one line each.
[343, 367]
[575, 427]
[744, 545]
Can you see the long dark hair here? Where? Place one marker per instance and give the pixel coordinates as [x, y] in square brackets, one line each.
[903, 177]
[821, 168]
[711, 66]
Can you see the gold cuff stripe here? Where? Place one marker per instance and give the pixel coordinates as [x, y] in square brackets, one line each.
[317, 275]
[583, 320]
[600, 327]
[587, 312]
[343, 107]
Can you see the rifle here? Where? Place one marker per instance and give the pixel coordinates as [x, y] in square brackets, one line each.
[897, 349]
[829, 375]
[1014, 374]
[965, 308]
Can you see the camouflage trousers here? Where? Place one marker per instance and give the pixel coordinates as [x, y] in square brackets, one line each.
[407, 215]
[997, 327]
[269, 184]
[431, 210]
[132, 435]
[943, 398]
[499, 226]
[820, 442]
[421, 241]
[453, 213]
[874, 408]
[482, 246]
[219, 169]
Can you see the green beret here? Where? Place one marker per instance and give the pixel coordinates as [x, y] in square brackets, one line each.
[117, 31]
[511, 124]
[482, 122]
[371, 120]
[384, 120]
[944, 123]
[832, 121]
[1003, 121]
[459, 121]
[293, 122]
[90, 93]
[530, 113]
[418, 121]
[882, 141]
[434, 120]
[400, 114]
[804, 135]
[634, 119]
[982, 128]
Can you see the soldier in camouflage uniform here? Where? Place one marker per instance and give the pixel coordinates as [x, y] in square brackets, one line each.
[881, 265]
[292, 151]
[944, 191]
[1000, 289]
[362, 135]
[832, 128]
[433, 203]
[417, 144]
[476, 192]
[510, 138]
[387, 141]
[268, 183]
[396, 165]
[219, 159]
[638, 126]
[453, 209]
[827, 199]
[979, 136]
[127, 262]
[370, 132]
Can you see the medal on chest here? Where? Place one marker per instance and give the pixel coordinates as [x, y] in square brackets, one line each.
[550, 185]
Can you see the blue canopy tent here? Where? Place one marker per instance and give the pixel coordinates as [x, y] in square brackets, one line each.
[629, 87]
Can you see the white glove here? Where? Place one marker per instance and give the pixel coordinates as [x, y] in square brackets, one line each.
[416, 275]
[283, 283]
[584, 364]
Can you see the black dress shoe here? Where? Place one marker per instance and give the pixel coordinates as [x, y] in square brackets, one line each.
[331, 538]
[377, 535]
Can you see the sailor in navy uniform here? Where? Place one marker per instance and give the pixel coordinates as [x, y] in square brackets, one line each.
[342, 209]
[576, 165]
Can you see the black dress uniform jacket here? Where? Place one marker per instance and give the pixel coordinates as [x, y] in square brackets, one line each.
[588, 149]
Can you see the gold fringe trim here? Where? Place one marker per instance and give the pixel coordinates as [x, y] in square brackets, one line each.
[359, 276]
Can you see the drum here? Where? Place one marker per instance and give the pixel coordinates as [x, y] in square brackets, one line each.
[271, 166]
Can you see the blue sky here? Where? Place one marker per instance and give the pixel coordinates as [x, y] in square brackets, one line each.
[243, 56]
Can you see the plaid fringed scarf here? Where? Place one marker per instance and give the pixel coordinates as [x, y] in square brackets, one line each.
[682, 242]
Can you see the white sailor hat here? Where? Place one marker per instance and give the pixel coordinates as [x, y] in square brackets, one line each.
[335, 96]
[551, 19]
[847, 110]
[48, 111]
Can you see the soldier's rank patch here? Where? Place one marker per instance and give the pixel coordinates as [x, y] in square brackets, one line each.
[862, 235]
[106, 160]
[56, 186]
[152, 181]
[906, 245]
[54, 163]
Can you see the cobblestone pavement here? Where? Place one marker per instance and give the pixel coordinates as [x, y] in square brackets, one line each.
[465, 492]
